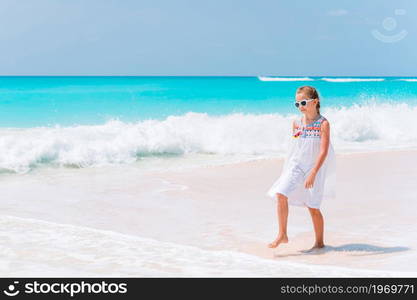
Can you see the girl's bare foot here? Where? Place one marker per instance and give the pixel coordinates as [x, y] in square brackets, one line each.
[315, 247]
[318, 245]
[280, 239]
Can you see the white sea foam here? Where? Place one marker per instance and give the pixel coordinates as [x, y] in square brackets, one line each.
[270, 78]
[38, 248]
[366, 127]
[351, 79]
[408, 79]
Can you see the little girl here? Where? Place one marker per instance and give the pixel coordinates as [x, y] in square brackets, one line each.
[308, 169]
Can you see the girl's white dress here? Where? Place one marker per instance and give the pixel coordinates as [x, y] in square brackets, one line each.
[301, 158]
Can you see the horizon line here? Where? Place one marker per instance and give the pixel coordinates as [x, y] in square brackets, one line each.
[292, 76]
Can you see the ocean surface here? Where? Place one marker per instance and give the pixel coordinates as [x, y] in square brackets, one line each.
[171, 122]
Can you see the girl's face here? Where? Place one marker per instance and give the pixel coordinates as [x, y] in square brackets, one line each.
[309, 107]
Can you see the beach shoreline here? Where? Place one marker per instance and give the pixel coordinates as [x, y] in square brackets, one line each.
[224, 208]
[352, 175]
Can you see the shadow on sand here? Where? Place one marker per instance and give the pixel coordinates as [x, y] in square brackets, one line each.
[364, 249]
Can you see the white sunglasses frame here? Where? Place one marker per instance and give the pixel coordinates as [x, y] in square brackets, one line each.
[299, 102]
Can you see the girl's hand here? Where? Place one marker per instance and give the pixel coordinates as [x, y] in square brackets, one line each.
[297, 134]
[310, 180]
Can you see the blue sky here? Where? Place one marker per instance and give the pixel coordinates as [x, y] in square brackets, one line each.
[244, 38]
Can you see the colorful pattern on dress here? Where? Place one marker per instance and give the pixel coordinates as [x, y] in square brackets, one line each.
[310, 131]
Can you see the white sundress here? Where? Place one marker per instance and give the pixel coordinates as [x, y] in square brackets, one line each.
[301, 158]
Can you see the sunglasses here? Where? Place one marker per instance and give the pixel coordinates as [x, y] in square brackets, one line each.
[303, 102]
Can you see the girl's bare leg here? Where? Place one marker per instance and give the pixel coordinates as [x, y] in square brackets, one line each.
[318, 224]
[282, 212]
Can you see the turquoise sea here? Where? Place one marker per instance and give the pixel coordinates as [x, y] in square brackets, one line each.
[88, 121]
[48, 101]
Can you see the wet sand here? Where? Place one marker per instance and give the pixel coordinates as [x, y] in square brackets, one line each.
[370, 226]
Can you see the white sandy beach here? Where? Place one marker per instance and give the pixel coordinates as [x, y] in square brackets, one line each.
[207, 221]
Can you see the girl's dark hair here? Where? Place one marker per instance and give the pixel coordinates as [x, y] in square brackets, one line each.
[311, 93]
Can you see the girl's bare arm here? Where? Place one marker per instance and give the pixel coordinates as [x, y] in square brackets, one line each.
[324, 146]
